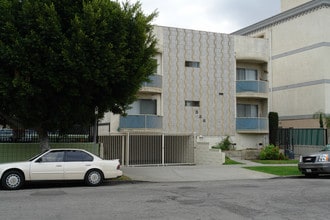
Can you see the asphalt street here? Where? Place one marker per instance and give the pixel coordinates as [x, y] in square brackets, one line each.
[257, 199]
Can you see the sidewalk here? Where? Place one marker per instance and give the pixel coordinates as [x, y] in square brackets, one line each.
[195, 172]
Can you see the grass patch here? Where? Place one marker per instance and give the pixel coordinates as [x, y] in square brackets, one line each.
[276, 161]
[277, 170]
[229, 161]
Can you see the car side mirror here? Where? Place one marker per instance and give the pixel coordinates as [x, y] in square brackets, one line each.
[39, 160]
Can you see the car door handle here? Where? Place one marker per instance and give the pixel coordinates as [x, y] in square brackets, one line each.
[88, 165]
[58, 165]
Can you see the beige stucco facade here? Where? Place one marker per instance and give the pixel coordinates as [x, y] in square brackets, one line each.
[289, 4]
[211, 84]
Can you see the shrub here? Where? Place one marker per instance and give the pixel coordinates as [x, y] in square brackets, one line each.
[270, 152]
[224, 144]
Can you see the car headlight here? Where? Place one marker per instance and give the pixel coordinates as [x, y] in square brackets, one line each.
[323, 158]
[300, 159]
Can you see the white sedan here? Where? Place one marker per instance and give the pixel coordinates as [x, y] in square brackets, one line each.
[60, 164]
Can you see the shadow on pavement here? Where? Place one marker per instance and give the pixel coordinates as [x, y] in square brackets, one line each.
[70, 184]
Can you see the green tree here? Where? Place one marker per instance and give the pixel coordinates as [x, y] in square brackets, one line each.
[60, 59]
[273, 127]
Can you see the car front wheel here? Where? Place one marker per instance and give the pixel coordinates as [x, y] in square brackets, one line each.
[12, 180]
[94, 178]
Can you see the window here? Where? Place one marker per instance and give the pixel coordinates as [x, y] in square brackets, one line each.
[192, 103]
[143, 107]
[53, 156]
[148, 107]
[247, 111]
[194, 64]
[72, 156]
[246, 74]
[156, 66]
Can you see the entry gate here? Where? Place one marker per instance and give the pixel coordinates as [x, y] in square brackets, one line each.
[146, 149]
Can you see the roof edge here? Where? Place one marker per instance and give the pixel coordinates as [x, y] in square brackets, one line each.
[308, 6]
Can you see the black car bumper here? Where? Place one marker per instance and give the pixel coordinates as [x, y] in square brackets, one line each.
[314, 168]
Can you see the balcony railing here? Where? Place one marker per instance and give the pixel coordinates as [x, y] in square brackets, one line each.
[141, 122]
[155, 81]
[252, 86]
[252, 124]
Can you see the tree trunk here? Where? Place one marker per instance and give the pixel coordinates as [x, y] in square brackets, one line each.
[44, 141]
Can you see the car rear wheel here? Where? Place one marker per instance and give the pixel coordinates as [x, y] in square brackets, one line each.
[12, 180]
[94, 178]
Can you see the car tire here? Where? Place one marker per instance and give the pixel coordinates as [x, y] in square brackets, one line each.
[12, 180]
[94, 178]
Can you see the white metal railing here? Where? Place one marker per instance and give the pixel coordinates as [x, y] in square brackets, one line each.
[149, 149]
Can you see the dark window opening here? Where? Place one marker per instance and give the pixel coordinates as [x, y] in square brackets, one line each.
[192, 103]
[194, 64]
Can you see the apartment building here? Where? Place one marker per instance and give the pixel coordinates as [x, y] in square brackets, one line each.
[209, 84]
[299, 50]
[216, 85]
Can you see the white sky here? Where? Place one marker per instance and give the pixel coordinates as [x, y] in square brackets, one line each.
[224, 16]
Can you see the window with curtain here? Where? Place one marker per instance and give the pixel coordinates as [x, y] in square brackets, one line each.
[247, 111]
[246, 74]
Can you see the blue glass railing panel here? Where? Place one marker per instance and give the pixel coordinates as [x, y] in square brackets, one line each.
[253, 124]
[155, 81]
[252, 86]
[141, 122]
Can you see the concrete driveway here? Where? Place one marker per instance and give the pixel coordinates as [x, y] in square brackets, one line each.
[194, 173]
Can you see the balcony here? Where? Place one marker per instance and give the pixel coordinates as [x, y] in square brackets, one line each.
[141, 122]
[251, 49]
[252, 89]
[252, 125]
[154, 86]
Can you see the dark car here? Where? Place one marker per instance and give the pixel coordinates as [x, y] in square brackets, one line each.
[315, 163]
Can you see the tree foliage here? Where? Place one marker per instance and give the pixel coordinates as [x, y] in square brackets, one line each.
[60, 59]
[324, 119]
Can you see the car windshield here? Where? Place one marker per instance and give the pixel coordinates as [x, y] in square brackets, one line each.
[326, 148]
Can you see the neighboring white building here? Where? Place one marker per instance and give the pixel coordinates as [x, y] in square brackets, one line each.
[300, 51]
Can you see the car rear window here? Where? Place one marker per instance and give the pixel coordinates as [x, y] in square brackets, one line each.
[75, 156]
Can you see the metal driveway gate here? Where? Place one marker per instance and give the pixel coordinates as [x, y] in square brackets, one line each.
[149, 149]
